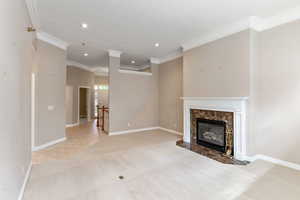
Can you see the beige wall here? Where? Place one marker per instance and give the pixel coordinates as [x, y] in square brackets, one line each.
[15, 72]
[69, 104]
[133, 99]
[170, 91]
[76, 78]
[276, 93]
[102, 94]
[219, 68]
[50, 91]
[265, 67]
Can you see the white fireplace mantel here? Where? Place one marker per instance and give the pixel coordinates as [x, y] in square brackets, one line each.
[237, 105]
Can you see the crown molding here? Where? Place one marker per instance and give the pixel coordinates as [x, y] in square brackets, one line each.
[253, 22]
[79, 65]
[218, 34]
[33, 13]
[101, 71]
[52, 40]
[114, 53]
[97, 70]
[172, 56]
[262, 24]
[155, 60]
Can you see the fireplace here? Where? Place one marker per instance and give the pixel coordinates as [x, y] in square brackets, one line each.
[216, 127]
[211, 134]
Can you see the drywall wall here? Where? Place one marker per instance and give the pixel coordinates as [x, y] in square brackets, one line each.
[219, 68]
[15, 73]
[170, 91]
[102, 94]
[276, 93]
[69, 104]
[77, 77]
[133, 99]
[261, 65]
[50, 93]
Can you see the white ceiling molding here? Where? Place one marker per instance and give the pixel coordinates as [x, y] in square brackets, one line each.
[101, 71]
[172, 56]
[154, 60]
[33, 13]
[218, 34]
[79, 65]
[52, 40]
[114, 53]
[253, 22]
[134, 68]
[135, 72]
[287, 16]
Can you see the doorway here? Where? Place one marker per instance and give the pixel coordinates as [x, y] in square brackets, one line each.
[84, 105]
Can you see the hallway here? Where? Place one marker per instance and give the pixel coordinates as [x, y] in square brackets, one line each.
[87, 166]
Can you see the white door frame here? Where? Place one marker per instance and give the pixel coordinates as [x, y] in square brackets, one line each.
[88, 103]
[33, 110]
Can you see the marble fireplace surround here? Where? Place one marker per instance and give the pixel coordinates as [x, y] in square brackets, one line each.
[236, 105]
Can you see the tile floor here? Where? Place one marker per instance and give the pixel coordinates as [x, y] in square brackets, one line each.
[87, 167]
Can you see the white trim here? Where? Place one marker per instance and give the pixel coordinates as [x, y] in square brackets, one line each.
[133, 131]
[154, 60]
[276, 20]
[88, 103]
[32, 110]
[135, 72]
[218, 34]
[252, 22]
[114, 53]
[171, 131]
[172, 56]
[52, 40]
[101, 70]
[134, 68]
[238, 107]
[214, 98]
[79, 65]
[49, 144]
[72, 125]
[273, 160]
[26, 179]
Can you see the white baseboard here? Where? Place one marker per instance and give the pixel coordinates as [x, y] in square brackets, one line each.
[171, 131]
[48, 144]
[133, 131]
[72, 125]
[273, 160]
[27, 175]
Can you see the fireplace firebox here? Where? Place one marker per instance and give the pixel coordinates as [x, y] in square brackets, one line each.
[211, 134]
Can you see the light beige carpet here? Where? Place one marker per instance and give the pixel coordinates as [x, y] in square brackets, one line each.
[87, 167]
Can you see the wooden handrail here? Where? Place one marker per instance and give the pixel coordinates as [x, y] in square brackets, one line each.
[104, 110]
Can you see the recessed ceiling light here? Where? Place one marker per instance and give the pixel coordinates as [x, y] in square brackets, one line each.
[84, 25]
[156, 44]
[86, 54]
[132, 62]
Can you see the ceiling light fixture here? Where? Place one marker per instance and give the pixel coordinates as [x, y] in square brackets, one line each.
[86, 54]
[84, 25]
[132, 62]
[156, 44]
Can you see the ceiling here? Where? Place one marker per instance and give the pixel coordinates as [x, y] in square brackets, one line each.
[134, 26]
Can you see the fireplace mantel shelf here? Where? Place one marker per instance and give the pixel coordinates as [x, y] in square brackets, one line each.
[215, 98]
